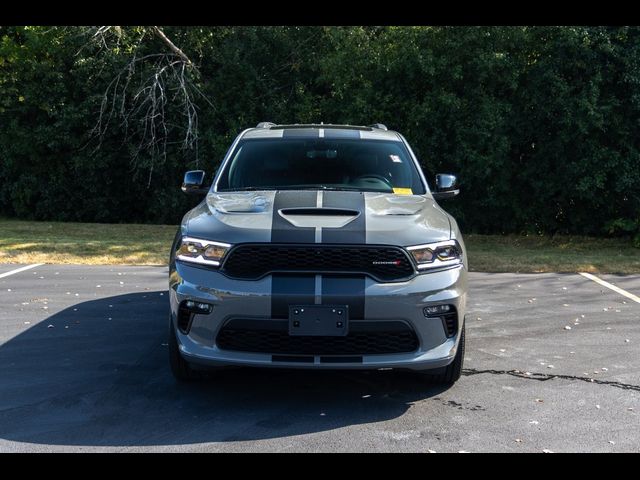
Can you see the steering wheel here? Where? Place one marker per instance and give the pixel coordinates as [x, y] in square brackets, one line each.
[386, 181]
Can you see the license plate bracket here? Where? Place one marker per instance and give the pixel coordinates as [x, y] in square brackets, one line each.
[319, 320]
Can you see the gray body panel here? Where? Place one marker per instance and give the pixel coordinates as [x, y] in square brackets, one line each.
[232, 218]
[271, 217]
[246, 217]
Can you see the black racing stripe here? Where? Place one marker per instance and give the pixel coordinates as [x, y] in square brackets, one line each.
[283, 231]
[353, 232]
[349, 291]
[292, 289]
[287, 289]
[335, 133]
[301, 132]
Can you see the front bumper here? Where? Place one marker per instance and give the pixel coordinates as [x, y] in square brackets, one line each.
[398, 301]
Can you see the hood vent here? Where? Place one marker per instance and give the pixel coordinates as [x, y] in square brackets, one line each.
[322, 212]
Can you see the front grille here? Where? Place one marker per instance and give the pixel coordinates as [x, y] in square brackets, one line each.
[272, 336]
[252, 261]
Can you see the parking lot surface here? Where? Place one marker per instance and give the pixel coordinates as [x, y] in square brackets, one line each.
[552, 364]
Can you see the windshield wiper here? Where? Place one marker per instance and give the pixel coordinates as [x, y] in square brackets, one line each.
[349, 189]
[247, 189]
[305, 187]
[330, 188]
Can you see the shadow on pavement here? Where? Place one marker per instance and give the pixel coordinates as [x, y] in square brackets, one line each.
[100, 377]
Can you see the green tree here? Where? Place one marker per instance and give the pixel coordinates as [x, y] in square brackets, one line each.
[540, 123]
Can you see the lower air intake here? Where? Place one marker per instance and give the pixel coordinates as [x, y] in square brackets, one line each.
[272, 336]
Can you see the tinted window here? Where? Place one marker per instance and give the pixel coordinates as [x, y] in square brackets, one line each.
[367, 165]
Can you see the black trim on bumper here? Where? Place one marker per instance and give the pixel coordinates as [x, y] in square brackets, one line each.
[272, 336]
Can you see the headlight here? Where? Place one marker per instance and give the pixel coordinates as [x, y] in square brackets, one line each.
[203, 252]
[434, 255]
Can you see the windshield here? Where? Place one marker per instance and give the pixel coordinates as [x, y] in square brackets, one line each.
[343, 164]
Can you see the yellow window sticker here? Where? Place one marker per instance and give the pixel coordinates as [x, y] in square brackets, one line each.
[402, 191]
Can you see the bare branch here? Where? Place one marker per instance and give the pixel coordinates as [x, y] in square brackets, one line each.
[160, 34]
[142, 102]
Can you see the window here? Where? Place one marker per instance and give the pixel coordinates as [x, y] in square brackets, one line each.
[343, 164]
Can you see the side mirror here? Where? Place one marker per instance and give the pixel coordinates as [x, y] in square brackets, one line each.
[446, 186]
[193, 182]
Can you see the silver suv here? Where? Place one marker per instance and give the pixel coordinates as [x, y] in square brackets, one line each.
[318, 246]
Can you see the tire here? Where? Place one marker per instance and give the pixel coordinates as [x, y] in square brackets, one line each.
[180, 368]
[452, 372]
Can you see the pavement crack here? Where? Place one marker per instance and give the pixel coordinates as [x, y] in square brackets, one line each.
[543, 377]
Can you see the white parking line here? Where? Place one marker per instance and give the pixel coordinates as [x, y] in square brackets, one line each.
[612, 287]
[21, 269]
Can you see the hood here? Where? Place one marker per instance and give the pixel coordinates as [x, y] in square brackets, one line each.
[318, 217]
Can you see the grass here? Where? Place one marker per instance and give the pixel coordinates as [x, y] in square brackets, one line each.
[561, 253]
[110, 244]
[85, 243]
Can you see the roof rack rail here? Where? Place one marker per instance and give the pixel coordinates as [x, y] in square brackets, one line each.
[265, 125]
[379, 126]
[320, 125]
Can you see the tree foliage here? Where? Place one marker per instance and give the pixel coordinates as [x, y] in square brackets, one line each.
[540, 123]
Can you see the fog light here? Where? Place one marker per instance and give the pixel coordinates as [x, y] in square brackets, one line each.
[198, 307]
[436, 310]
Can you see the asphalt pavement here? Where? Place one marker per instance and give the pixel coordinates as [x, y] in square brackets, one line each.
[552, 364]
